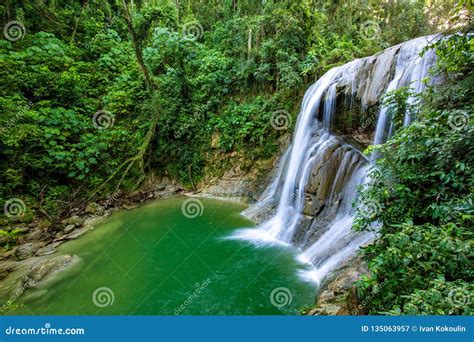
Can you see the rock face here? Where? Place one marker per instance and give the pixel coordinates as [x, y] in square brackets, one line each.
[235, 185]
[360, 89]
[338, 296]
[329, 176]
[231, 188]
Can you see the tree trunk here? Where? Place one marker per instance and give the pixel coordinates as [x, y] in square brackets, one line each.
[138, 158]
[136, 46]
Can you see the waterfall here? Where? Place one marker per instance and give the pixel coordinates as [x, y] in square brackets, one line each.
[410, 70]
[329, 107]
[320, 169]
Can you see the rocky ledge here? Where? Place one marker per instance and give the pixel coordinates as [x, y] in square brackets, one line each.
[338, 295]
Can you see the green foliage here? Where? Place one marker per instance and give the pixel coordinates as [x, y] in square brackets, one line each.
[440, 298]
[422, 194]
[9, 237]
[216, 91]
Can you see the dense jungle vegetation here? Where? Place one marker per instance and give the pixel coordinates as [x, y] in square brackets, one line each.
[422, 195]
[96, 95]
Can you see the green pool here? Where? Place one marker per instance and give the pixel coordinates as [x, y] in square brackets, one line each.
[171, 257]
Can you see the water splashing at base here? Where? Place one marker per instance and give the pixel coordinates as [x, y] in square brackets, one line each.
[335, 168]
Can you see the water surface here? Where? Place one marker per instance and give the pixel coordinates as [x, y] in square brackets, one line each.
[155, 260]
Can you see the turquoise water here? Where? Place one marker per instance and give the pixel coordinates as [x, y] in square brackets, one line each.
[154, 260]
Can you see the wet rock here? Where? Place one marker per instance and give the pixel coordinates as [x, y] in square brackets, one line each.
[311, 204]
[45, 268]
[232, 186]
[129, 205]
[26, 250]
[36, 234]
[69, 228]
[59, 234]
[46, 250]
[74, 220]
[5, 269]
[337, 296]
[323, 170]
[328, 310]
[92, 208]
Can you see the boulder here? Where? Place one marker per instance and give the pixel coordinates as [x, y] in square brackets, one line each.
[69, 228]
[47, 267]
[93, 208]
[74, 220]
[38, 234]
[26, 250]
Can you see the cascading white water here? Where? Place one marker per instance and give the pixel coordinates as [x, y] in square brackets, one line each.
[329, 107]
[306, 145]
[267, 199]
[314, 145]
[410, 70]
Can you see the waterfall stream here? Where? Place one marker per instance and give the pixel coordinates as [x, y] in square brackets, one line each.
[318, 164]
